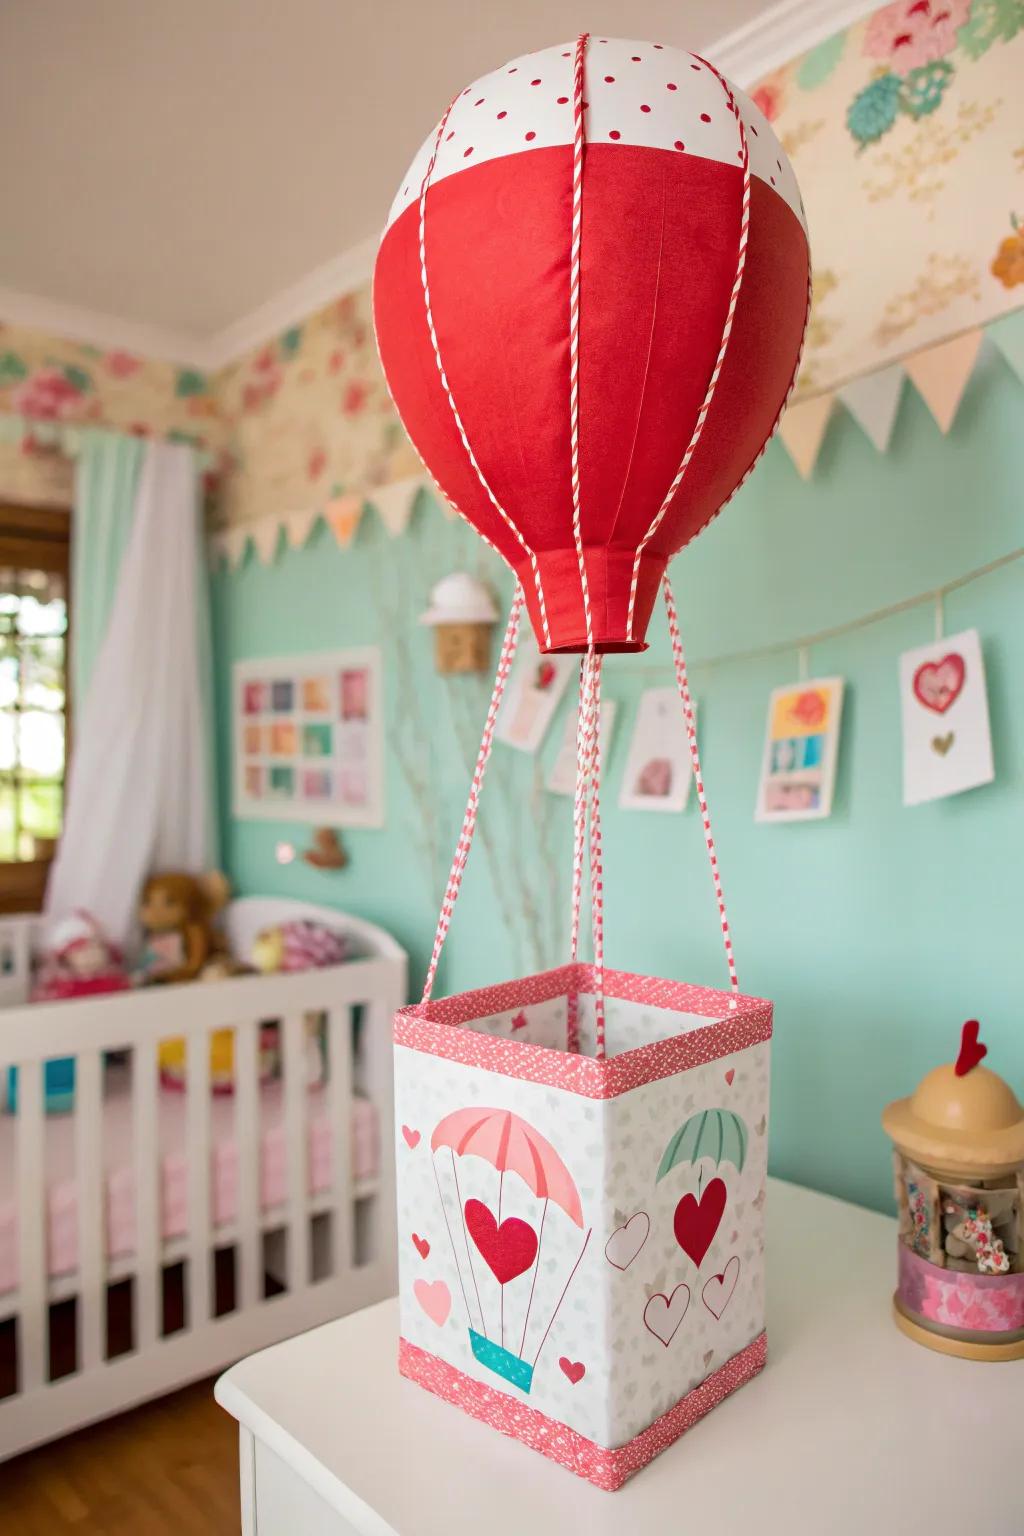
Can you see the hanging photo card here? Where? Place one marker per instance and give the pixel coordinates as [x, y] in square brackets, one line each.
[562, 778]
[308, 740]
[798, 771]
[658, 770]
[534, 691]
[947, 741]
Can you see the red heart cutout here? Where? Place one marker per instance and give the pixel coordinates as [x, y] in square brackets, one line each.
[696, 1221]
[508, 1250]
[971, 1051]
[412, 1138]
[546, 674]
[730, 1075]
[574, 1369]
[421, 1245]
[937, 684]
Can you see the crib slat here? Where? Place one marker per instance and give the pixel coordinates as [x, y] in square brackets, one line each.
[247, 1139]
[339, 1101]
[296, 1149]
[32, 1207]
[89, 1179]
[197, 1129]
[145, 1103]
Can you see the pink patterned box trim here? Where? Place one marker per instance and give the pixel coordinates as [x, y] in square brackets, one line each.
[608, 1469]
[958, 1299]
[434, 1029]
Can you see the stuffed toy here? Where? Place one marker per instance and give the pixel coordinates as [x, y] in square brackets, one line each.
[177, 912]
[79, 962]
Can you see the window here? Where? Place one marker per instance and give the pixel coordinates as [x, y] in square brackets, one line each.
[33, 697]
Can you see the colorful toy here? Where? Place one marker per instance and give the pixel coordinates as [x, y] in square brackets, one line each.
[959, 1174]
[590, 301]
[80, 962]
[177, 912]
[298, 945]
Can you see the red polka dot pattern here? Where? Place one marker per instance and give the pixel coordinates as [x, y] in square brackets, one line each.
[636, 94]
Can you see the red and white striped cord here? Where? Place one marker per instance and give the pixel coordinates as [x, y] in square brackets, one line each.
[462, 847]
[683, 685]
[596, 867]
[495, 503]
[741, 262]
[579, 824]
[574, 319]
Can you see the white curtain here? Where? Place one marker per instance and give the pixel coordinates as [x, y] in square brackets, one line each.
[140, 789]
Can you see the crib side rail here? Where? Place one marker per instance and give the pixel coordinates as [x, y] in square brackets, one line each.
[86, 1029]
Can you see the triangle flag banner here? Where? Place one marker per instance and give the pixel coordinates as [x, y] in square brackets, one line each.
[265, 534]
[297, 526]
[1008, 334]
[395, 502]
[342, 515]
[803, 431]
[873, 402]
[940, 375]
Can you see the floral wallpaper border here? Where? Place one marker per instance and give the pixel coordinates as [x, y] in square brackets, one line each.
[894, 127]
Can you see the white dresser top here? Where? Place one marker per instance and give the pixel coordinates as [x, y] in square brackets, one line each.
[851, 1430]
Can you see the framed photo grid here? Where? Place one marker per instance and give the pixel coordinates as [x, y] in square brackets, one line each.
[308, 738]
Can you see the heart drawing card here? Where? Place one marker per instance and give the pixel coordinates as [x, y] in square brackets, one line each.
[947, 740]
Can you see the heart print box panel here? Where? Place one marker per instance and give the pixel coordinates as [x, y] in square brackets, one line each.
[581, 1240]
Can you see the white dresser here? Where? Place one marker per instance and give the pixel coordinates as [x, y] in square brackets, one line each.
[852, 1430]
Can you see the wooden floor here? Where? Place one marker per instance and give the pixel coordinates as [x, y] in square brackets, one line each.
[169, 1468]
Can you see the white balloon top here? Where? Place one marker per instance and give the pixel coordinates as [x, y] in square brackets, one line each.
[637, 94]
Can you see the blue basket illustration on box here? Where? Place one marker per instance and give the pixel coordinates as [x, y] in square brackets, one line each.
[502, 1361]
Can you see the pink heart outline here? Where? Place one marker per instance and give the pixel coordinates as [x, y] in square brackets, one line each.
[667, 1310]
[938, 684]
[625, 1246]
[724, 1285]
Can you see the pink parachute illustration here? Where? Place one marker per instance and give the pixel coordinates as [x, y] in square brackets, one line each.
[510, 1246]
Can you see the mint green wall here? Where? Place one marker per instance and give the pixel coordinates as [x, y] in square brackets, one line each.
[876, 932]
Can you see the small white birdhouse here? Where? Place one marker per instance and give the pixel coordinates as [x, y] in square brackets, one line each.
[462, 614]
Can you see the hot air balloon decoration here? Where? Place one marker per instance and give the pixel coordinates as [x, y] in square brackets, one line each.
[511, 1246]
[590, 301]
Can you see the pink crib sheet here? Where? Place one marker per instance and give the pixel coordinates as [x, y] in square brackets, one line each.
[119, 1191]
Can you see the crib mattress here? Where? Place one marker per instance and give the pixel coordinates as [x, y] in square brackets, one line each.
[119, 1174]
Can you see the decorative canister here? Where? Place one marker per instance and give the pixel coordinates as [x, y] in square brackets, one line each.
[959, 1168]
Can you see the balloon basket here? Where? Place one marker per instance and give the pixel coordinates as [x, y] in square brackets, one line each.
[580, 1237]
[519, 1373]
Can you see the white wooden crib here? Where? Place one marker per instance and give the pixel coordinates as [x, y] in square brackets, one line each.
[323, 1247]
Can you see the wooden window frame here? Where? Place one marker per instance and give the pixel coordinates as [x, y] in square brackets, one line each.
[38, 537]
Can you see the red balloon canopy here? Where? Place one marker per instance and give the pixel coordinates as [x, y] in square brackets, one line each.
[472, 312]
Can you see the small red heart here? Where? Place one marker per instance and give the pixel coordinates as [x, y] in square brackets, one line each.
[971, 1050]
[545, 674]
[520, 1020]
[421, 1245]
[508, 1250]
[574, 1369]
[730, 1075]
[412, 1138]
[696, 1221]
[937, 684]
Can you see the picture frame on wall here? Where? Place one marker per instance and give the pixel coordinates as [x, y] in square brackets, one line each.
[308, 738]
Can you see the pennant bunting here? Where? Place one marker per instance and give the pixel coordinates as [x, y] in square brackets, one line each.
[1008, 335]
[803, 431]
[873, 402]
[265, 534]
[298, 525]
[940, 375]
[395, 503]
[342, 515]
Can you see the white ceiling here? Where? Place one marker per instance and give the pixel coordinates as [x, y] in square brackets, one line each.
[179, 163]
